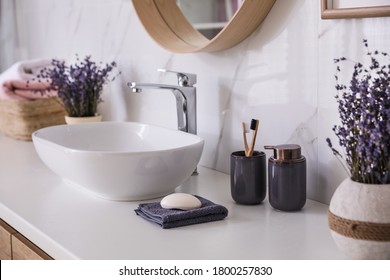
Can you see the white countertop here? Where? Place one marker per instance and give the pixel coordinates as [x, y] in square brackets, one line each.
[67, 223]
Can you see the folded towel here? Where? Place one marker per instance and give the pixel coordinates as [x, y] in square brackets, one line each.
[19, 82]
[171, 218]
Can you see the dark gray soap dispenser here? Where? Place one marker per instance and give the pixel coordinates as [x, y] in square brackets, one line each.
[287, 178]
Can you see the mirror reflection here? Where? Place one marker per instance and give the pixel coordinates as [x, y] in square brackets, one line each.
[209, 17]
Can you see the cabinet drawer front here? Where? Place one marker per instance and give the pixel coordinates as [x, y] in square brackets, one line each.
[24, 249]
[5, 240]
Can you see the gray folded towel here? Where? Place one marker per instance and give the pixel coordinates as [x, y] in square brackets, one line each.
[171, 218]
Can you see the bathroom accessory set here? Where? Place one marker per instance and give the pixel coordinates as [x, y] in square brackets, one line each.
[286, 174]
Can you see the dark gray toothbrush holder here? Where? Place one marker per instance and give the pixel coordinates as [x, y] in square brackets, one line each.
[248, 177]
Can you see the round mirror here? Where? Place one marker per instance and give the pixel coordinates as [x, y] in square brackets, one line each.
[169, 27]
[209, 17]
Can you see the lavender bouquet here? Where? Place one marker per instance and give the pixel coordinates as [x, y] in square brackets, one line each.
[79, 86]
[364, 108]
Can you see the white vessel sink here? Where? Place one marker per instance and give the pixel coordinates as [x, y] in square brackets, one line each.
[120, 160]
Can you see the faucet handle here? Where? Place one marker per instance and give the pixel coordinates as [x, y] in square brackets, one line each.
[183, 79]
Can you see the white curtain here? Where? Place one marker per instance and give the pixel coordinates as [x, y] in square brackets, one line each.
[8, 34]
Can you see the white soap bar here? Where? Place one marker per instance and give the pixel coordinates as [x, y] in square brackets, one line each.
[182, 201]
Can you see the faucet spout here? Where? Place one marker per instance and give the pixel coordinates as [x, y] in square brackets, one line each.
[185, 103]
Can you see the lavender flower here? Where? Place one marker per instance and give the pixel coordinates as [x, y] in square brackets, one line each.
[79, 86]
[364, 108]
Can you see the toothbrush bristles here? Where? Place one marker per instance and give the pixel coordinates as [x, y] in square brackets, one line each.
[254, 128]
[253, 124]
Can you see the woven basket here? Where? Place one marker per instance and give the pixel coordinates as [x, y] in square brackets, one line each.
[19, 119]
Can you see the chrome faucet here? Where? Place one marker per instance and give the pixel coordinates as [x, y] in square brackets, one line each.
[185, 94]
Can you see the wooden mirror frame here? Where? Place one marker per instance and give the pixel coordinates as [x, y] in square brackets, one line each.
[166, 24]
[358, 12]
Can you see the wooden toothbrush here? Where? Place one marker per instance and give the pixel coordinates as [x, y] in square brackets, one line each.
[244, 132]
[254, 127]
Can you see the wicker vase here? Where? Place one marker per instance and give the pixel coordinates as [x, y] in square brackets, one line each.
[359, 220]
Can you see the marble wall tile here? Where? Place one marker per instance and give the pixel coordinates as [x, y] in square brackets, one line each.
[282, 74]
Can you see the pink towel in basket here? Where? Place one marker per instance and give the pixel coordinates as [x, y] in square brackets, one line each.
[17, 81]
